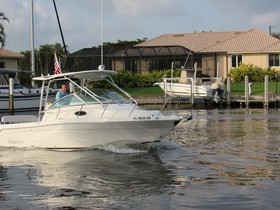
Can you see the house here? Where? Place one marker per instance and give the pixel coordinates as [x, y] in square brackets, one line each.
[8, 60]
[215, 53]
[218, 52]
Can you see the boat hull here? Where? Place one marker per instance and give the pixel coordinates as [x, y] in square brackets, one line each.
[185, 90]
[83, 135]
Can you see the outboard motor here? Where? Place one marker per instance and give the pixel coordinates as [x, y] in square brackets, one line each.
[217, 91]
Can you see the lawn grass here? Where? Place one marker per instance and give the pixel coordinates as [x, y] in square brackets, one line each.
[257, 88]
[145, 91]
[237, 89]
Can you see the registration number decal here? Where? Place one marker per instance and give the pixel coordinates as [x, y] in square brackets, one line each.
[13, 141]
[142, 118]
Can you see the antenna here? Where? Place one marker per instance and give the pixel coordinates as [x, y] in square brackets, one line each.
[101, 32]
[32, 40]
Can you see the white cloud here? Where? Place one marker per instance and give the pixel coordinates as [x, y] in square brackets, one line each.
[264, 20]
[145, 7]
[131, 19]
[40, 10]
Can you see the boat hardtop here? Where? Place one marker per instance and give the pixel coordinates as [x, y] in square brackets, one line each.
[91, 75]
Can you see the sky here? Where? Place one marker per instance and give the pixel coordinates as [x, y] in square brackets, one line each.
[130, 19]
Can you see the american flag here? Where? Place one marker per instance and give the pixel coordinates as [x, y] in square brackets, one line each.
[57, 69]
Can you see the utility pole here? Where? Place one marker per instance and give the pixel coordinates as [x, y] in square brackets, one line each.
[270, 30]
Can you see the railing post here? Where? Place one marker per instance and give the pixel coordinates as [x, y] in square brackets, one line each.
[165, 89]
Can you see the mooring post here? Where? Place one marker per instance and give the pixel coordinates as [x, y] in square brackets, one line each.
[228, 91]
[247, 91]
[266, 89]
[276, 92]
[11, 95]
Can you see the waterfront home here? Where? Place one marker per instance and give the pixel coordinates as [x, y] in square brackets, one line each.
[214, 52]
[8, 60]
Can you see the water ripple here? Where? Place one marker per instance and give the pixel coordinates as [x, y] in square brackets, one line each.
[222, 159]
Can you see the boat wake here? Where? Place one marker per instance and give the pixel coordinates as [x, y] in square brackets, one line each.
[119, 147]
[128, 147]
[125, 147]
[166, 144]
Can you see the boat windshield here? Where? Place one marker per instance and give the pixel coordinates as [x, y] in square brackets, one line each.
[96, 97]
[110, 96]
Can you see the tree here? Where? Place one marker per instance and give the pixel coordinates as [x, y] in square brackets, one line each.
[276, 35]
[44, 61]
[122, 43]
[2, 30]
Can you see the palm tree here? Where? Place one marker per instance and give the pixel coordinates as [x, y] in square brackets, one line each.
[2, 31]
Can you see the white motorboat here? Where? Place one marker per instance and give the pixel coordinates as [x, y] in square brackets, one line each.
[22, 102]
[188, 86]
[24, 98]
[86, 118]
[185, 90]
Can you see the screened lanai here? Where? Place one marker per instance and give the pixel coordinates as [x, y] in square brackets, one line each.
[135, 59]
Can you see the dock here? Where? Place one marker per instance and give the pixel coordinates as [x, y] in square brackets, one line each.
[226, 100]
[256, 101]
[237, 101]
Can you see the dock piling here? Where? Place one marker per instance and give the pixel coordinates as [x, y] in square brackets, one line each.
[11, 96]
[228, 91]
[266, 91]
[247, 98]
[192, 92]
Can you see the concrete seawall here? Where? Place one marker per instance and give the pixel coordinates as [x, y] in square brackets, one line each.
[236, 101]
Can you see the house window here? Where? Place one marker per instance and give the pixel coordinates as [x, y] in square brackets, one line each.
[274, 59]
[2, 65]
[236, 60]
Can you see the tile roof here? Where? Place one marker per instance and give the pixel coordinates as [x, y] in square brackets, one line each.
[4, 53]
[232, 41]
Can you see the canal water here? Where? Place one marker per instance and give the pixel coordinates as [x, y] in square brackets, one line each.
[221, 159]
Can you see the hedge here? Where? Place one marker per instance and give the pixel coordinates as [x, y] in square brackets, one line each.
[255, 74]
[127, 79]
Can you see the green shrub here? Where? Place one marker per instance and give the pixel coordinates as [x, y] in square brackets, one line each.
[255, 74]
